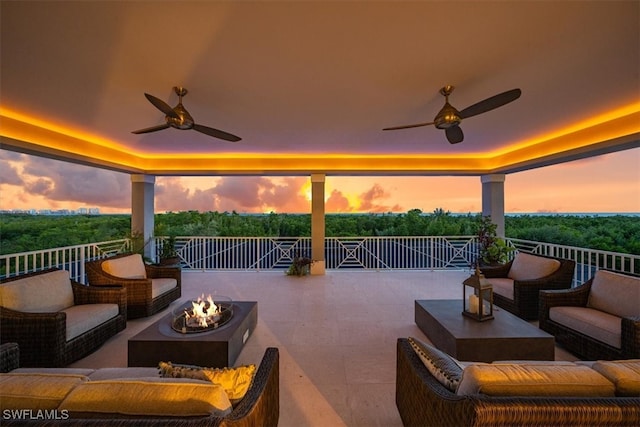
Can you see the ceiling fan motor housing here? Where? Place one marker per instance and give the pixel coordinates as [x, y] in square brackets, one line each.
[447, 117]
[185, 121]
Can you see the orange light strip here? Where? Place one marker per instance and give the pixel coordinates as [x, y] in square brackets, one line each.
[629, 111]
[61, 142]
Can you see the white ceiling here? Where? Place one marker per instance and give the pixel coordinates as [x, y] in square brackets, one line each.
[318, 78]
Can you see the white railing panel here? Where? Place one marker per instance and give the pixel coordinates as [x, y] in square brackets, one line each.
[268, 253]
[71, 258]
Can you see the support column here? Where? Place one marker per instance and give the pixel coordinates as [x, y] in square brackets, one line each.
[142, 211]
[317, 223]
[493, 200]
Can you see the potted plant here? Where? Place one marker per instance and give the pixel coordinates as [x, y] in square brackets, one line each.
[492, 249]
[300, 266]
[168, 253]
[136, 245]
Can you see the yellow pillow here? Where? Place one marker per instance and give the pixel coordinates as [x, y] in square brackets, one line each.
[235, 381]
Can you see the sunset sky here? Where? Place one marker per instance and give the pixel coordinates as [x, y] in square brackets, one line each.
[608, 183]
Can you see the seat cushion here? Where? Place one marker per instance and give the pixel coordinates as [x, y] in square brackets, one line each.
[55, 371]
[84, 317]
[128, 267]
[502, 286]
[36, 390]
[162, 285]
[529, 267]
[615, 293]
[596, 324]
[41, 293]
[625, 374]
[119, 373]
[140, 397]
[534, 380]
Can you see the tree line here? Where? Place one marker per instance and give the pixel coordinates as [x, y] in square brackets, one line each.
[22, 233]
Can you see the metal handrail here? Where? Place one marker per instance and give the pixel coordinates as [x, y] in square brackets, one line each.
[210, 253]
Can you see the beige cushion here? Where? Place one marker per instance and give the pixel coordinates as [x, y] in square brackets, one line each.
[596, 324]
[529, 267]
[84, 317]
[162, 285]
[146, 398]
[529, 362]
[502, 286]
[235, 381]
[534, 380]
[43, 293]
[55, 371]
[625, 374]
[615, 293]
[119, 373]
[35, 391]
[443, 367]
[128, 267]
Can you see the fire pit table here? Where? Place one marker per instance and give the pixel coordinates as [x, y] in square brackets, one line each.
[216, 347]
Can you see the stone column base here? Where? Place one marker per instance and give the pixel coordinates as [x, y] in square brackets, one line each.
[317, 268]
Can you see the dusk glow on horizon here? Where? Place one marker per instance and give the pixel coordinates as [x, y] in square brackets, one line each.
[604, 184]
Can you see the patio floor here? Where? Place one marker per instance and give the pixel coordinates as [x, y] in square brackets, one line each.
[336, 334]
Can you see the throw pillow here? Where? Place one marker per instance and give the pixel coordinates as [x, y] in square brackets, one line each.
[530, 267]
[235, 381]
[443, 367]
[128, 267]
[615, 293]
[41, 293]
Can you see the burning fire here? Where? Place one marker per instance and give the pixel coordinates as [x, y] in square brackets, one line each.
[203, 313]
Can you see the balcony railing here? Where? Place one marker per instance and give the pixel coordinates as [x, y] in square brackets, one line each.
[268, 253]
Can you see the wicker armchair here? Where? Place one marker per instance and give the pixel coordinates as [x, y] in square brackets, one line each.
[141, 301]
[524, 302]
[42, 336]
[583, 345]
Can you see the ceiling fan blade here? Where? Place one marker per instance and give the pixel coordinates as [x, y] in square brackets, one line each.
[490, 103]
[151, 129]
[216, 133]
[408, 126]
[162, 106]
[454, 134]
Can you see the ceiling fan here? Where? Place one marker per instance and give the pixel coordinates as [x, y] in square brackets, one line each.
[448, 118]
[178, 117]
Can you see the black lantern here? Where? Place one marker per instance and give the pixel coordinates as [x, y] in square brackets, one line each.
[477, 298]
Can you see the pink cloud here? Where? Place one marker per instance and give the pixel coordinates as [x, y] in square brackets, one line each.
[370, 201]
[337, 203]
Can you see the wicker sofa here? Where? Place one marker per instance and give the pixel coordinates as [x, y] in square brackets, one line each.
[423, 400]
[258, 407]
[57, 320]
[150, 288]
[517, 283]
[599, 319]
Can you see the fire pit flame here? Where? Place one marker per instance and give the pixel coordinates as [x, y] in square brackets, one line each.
[202, 315]
[202, 312]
